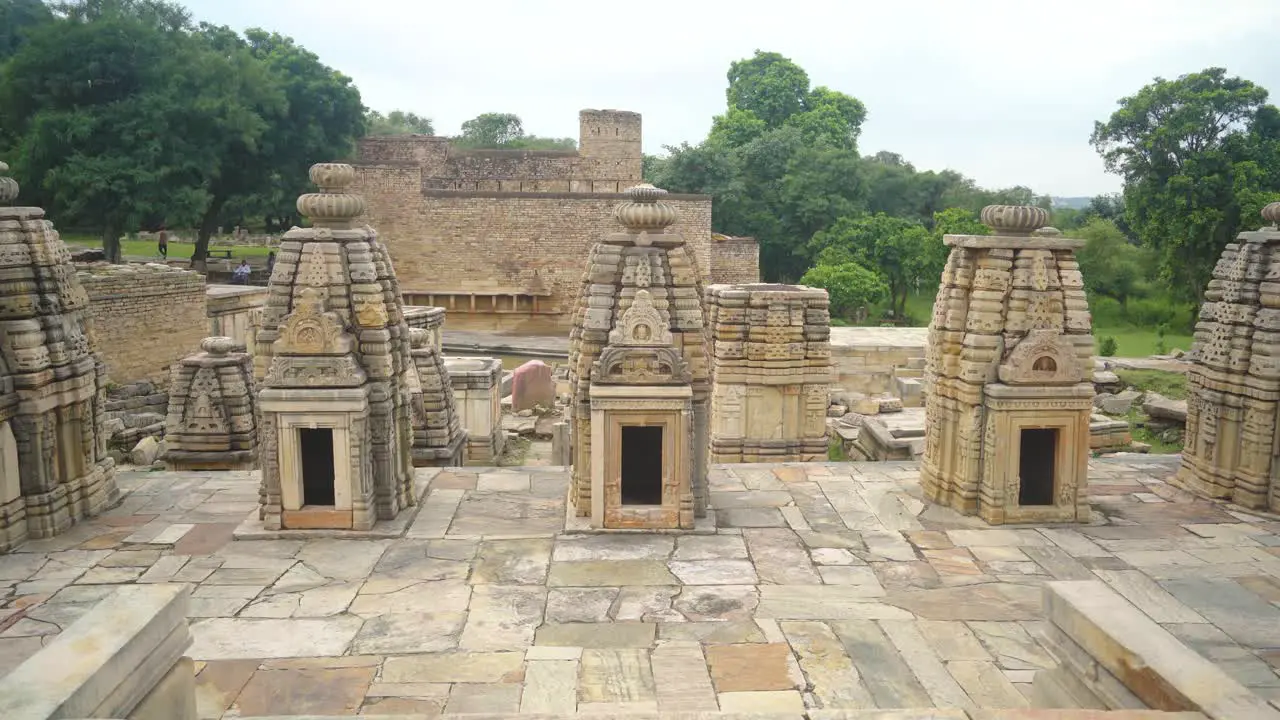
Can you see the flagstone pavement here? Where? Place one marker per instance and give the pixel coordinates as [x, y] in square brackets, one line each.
[826, 585]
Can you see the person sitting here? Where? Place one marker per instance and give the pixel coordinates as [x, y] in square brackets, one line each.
[241, 274]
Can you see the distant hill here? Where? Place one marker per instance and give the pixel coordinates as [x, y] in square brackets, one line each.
[1076, 203]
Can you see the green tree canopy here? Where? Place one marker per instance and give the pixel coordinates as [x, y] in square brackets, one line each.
[17, 18]
[849, 286]
[505, 131]
[905, 253]
[1111, 265]
[123, 115]
[397, 122]
[1197, 154]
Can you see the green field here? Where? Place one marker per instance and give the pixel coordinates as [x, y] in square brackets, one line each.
[178, 250]
[1130, 341]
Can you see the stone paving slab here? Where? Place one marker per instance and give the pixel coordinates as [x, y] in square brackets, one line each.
[830, 588]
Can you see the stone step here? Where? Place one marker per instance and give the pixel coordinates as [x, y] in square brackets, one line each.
[908, 372]
[916, 363]
[881, 714]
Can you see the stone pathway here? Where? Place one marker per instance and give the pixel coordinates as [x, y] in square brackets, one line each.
[826, 586]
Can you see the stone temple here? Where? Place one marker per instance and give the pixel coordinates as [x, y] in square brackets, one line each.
[1008, 374]
[639, 375]
[337, 372]
[54, 470]
[212, 419]
[1233, 387]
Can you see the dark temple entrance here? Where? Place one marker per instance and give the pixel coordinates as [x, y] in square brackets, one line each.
[316, 448]
[641, 465]
[1036, 466]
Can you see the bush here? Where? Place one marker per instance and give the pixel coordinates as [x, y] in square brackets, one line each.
[1106, 311]
[849, 286]
[1107, 348]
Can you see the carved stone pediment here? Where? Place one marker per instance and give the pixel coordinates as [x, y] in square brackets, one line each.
[641, 324]
[1043, 357]
[312, 372]
[640, 366]
[309, 330]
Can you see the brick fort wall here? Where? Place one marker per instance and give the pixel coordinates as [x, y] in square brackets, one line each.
[500, 238]
[145, 318]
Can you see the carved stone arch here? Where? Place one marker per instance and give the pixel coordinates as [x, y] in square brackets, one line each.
[1043, 357]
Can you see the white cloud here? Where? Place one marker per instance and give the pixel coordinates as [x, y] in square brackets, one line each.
[1005, 91]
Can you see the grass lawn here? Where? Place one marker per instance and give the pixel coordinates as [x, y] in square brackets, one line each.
[179, 250]
[1169, 384]
[1130, 341]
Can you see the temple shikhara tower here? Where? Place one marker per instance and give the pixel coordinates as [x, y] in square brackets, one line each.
[1009, 374]
[1233, 387]
[334, 361]
[639, 376]
[212, 420]
[771, 372]
[54, 468]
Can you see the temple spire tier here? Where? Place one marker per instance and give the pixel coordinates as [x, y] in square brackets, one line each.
[1008, 375]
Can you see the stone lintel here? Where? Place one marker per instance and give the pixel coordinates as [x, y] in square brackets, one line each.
[106, 662]
[1157, 667]
[647, 392]
[1012, 242]
[1039, 392]
[304, 400]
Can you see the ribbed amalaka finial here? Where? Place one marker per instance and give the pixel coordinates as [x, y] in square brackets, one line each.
[8, 186]
[1271, 213]
[333, 206]
[1014, 219]
[645, 209]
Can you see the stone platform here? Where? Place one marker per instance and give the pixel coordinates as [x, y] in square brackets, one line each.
[824, 586]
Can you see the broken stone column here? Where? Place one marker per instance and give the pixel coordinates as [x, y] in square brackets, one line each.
[1233, 385]
[771, 372]
[639, 375]
[1008, 375]
[212, 423]
[55, 468]
[477, 383]
[438, 437]
[334, 356]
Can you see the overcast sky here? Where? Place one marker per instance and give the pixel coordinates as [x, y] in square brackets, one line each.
[1005, 91]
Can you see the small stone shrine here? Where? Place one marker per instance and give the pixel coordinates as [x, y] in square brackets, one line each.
[54, 468]
[639, 376]
[1233, 387]
[771, 373]
[1008, 375]
[334, 355]
[438, 437]
[212, 422]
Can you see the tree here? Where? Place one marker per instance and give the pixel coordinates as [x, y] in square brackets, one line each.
[1194, 153]
[309, 113]
[849, 286]
[110, 107]
[491, 130]
[17, 17]
[903, 252]
[505, 131]
[769, 86]
[397, 122]
[1111, 265]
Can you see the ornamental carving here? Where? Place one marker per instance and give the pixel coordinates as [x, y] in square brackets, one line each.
[309, 330]
[623, 365]
[641, 324]
[1043, 357]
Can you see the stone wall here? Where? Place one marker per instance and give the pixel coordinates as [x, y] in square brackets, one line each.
[498, 237]
[235, 311]
[452, 247]
[878, 361]
[145, 317]
[734, 260]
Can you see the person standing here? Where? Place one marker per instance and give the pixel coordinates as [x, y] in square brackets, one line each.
[271, 263]
[162, 241]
